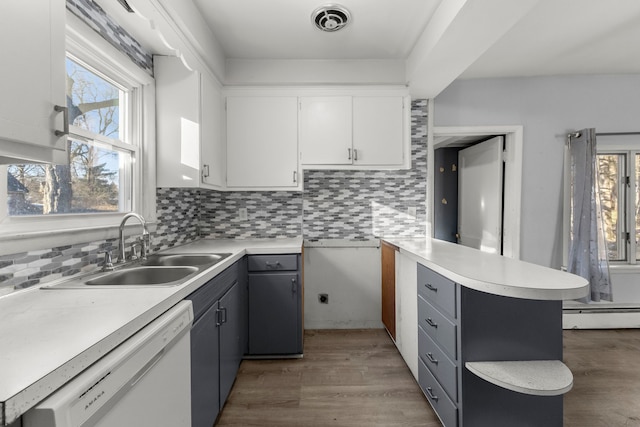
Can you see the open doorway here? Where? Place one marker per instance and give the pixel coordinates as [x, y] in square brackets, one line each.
[445, 213]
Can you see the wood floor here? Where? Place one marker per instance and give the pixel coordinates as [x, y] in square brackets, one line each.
[357, 378]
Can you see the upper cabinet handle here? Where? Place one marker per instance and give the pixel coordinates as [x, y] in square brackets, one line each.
[65, 116]
[355, 154]
[349, 154]
[205, 171]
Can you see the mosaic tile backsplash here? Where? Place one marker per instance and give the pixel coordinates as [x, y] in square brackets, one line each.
[96, 18]
[275, 214]
[352, 205]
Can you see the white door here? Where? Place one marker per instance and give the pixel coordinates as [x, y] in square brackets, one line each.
[480, 181]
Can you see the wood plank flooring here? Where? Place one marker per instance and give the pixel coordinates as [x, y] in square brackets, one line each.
[358, 378]
[606, 378]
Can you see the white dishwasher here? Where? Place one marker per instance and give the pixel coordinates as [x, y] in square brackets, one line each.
[144, 382]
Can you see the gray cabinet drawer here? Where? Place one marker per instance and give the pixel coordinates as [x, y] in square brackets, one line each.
[439, 364]
[438, 327]
[444, 407]
[437, 289]
[285, 262]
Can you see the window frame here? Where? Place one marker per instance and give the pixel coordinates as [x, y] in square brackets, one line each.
[19, 234]
[629, 146]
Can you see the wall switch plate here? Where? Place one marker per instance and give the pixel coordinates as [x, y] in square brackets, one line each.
[242, 214]
[412, 211]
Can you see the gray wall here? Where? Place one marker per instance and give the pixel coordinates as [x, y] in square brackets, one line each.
[548, 108]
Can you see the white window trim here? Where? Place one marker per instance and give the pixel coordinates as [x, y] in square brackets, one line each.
[33, 233]
[631, 265]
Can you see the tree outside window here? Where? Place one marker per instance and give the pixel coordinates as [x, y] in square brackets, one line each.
[98, 168]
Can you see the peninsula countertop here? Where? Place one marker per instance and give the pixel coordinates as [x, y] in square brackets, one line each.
[493, 273]
[48, 336]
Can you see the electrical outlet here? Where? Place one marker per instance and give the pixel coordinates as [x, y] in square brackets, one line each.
[242, 214]
[323, 298]
[412, 211]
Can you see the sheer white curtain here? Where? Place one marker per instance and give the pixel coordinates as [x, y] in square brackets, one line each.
[587, 247]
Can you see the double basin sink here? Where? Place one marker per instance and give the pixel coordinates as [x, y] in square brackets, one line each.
[156, 270]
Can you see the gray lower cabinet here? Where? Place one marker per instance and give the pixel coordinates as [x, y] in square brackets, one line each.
[457, 325]
[218, 342]
[275, 305]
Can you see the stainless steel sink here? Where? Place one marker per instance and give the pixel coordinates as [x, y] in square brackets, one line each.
[194, 260]
[166, 276]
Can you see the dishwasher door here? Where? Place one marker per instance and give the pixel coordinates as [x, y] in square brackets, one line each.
[144, 382]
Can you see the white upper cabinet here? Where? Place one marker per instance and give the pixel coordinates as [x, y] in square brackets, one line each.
[32, 81]
[189, 150]
[325, 130]
[355, 132]
[262, 143]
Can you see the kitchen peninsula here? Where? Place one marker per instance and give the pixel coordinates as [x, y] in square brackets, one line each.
[489, 333]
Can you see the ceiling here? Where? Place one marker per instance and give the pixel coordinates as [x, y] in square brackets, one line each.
[283, 29]
[554, 37]
[425, 44]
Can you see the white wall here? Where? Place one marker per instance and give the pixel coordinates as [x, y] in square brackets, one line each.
[548, 108]
[351, 277]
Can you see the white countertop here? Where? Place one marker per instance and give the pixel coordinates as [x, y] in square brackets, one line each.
[492, 273]
[47, 337]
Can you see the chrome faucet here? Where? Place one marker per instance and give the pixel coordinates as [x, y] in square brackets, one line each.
[144, 239]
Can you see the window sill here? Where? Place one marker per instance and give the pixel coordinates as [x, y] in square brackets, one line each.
[39, 240]
[624, 268]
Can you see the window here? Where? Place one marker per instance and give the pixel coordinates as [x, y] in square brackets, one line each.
[110, 147]
[619, 179]
[98, 175]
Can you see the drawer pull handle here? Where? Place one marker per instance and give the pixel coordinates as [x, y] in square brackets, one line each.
[431, 287]
[272, 265]
[431, 395]
[432, 359]
[431, 322]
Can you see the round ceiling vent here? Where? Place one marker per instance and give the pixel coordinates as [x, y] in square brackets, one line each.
[330, 18]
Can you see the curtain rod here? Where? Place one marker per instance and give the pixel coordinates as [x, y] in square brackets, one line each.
[616, 133]
[577, 134]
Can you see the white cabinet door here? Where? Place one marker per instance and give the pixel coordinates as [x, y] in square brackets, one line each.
[32, 82]
[262, 142]
[212, 142]
[326, 130]
[378, 125]
[189, 114]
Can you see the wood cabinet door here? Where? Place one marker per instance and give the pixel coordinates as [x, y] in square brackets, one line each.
[378, 124]
[32, 46]
[326, 130]
[388, 253]
[262, 142]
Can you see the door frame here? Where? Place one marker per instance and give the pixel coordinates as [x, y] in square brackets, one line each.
[514, 142]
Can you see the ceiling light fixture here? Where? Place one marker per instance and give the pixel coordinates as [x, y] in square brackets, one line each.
[330, 18]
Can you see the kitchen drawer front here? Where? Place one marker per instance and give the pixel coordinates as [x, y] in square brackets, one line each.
[285, 262]
[439, 364]
[444, 407]
[438, 327]
[437, 289]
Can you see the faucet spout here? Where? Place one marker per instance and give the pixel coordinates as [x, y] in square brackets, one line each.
[145, 235]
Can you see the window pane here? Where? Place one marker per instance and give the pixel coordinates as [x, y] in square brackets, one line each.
[611, 180]
[94, 103]
[97, 180]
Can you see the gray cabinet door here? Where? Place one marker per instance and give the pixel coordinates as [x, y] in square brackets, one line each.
[274, 314]
[205, 395]
[231, 340]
